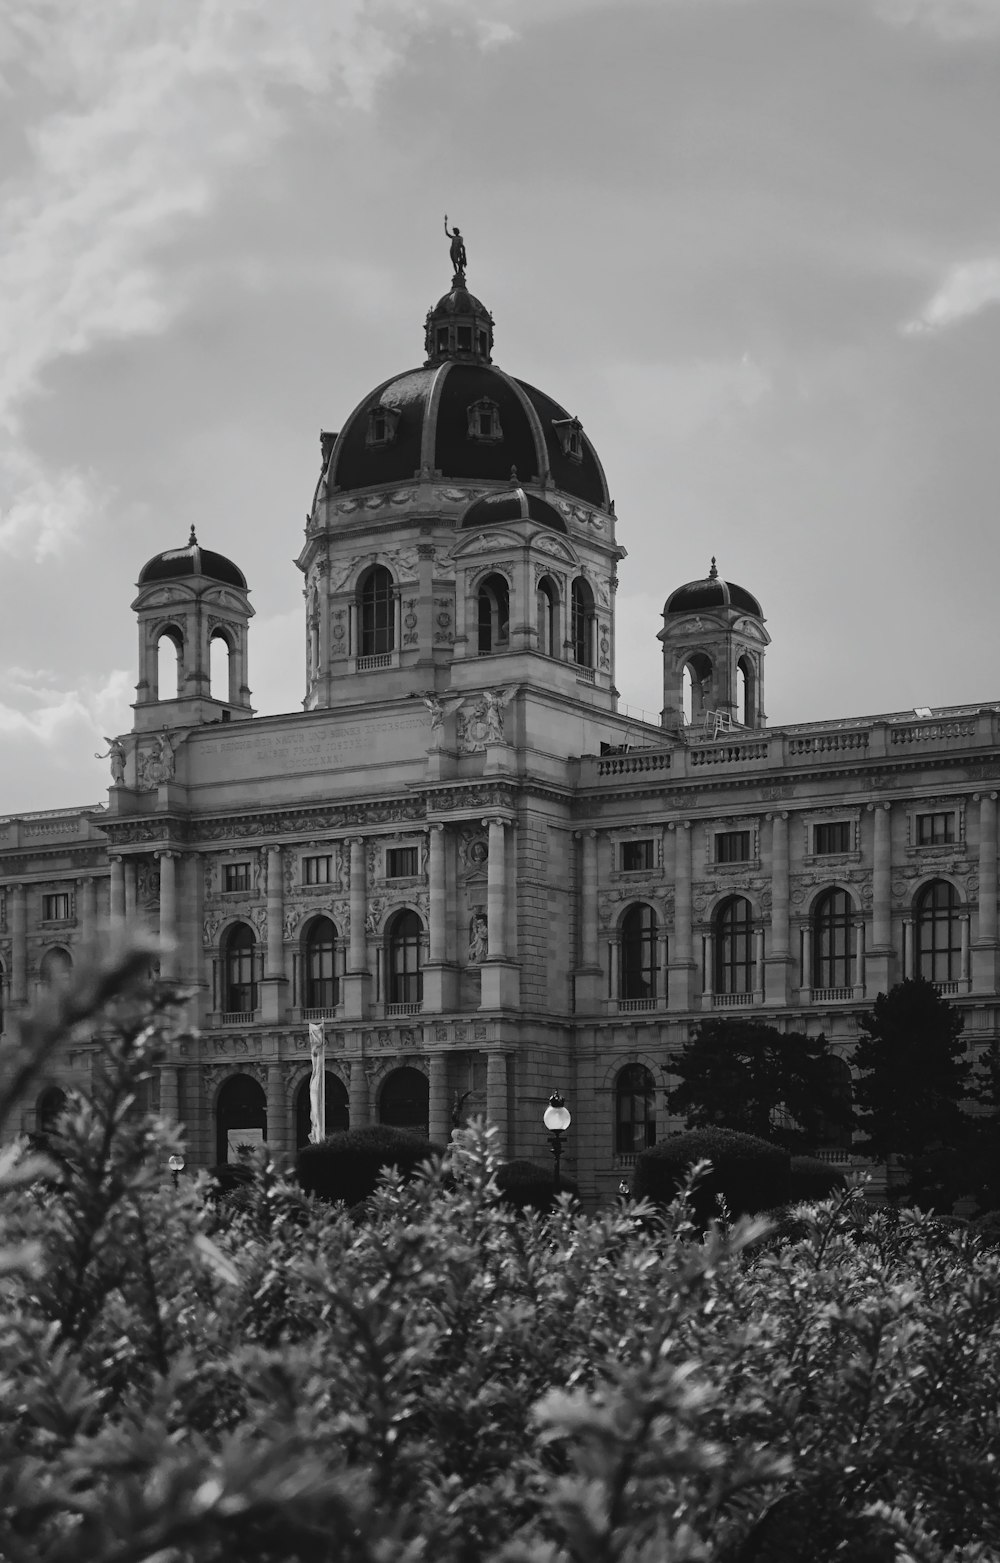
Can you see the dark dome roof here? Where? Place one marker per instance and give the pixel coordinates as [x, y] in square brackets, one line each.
[712, 592]
[177, 563]
[512, 505]
[433, 423]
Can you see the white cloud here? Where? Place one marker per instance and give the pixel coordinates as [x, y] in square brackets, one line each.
[958, 21]
[967, 288]
[46, 714]
[135, 112]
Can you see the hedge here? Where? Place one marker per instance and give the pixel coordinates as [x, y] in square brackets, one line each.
[347, 1166]
[752, 1174]
[525, 1184]
[814, 1179]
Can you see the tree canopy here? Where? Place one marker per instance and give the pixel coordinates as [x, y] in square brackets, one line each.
[742, 1074]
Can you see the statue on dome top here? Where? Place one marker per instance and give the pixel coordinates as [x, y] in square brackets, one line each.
[458, 259]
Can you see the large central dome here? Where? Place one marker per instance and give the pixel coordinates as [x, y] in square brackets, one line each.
[460, 417]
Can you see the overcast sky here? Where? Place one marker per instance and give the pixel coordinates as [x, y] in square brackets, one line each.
[753, 244]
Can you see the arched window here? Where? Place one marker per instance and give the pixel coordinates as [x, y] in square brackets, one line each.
[55, 968]
[939, 933]
[546, 600]
[220, 667]
[240, 1118]
[493, 602]
[239, 984]
[635, 1110]
[833, 946]
[404, 1101]
[50, 1104]
[734, 946]
[169, 652]
[377, 617]
[835, 1128]
[696, 688]
[582, 627]
[403, 951]
[319, 989]
[637, 972]
[746, 692]
[338, 1109]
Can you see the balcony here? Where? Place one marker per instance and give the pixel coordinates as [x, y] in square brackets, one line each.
[733, 1000]
[381, 659]
[404, 1009]
[832, 995]
[327, 1013]
[238, 1017]
[635, 1006]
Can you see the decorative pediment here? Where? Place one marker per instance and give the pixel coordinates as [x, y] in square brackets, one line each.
[224, 599]
[751, 630]
[546, 543]
[163, 597]
[486, 542]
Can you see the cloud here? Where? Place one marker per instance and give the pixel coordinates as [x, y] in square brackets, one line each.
[967, 288]
[134, 117]
[957, 21]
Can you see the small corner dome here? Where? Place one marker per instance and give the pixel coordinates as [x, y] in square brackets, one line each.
[178, 563]
[512, 504]
[712, 592]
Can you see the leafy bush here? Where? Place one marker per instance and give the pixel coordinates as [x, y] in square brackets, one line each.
[450, 1380]
[348, 1165]
[526, 1184]
[751, 1174]
[812, 1178]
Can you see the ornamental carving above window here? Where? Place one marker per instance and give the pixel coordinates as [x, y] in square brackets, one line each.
[484, 422]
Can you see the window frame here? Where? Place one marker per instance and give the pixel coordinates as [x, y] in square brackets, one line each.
[377, 613]
[404, 959]
[843, 826]
[239, 971]
[52, 901]
[949, 838]
[390, 867]
[638, 950]
[320, 990]
[312, 874]
[927, 957]
[649, 855]
[734, 947]
[832, 940]
[634, 1132]
[721, 855]
[236, 871]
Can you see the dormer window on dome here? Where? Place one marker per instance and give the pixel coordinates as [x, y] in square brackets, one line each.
[569, 432]
[382, 424]
[484, 422]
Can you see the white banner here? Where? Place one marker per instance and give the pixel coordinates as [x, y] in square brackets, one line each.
[317, 1082]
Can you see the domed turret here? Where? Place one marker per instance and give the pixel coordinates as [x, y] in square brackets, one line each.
[713, 657]
[193, 611]
[513, 505]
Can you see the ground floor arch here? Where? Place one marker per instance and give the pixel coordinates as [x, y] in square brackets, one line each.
[241, 1106]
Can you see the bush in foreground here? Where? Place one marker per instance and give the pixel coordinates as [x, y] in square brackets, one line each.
[457, 1381]
[813, 1179]
[347, 1166]
[525, 1185]
[751, 1175]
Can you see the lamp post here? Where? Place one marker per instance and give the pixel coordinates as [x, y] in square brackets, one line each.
[557, 1120]
[176, 1165]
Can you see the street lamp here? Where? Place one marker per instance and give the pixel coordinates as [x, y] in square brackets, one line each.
[176, 1165]
[557, 1120]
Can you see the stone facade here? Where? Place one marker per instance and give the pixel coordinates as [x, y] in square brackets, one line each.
[484, 880]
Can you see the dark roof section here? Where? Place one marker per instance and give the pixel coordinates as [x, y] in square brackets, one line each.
[712, 592]
[433, 427]
[178, 563]
[514, 505]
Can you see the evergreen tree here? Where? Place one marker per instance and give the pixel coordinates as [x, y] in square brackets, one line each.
[914, 1078]
[745, 1075]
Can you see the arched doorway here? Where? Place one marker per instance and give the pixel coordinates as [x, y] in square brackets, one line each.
[51, 1103]
[240, 1117]
[338, 1108]
[404, 1102]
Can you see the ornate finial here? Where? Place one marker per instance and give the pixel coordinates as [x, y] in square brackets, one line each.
[192, 540]
[513, 474]
[458, 259]
[713, 573]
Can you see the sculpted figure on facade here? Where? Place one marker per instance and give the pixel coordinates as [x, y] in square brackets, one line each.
[478, 937]
[116, 754]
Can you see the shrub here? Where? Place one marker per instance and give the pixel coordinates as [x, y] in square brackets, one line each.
[751, 1174]
[526, 1184]
[812, 1178]
[347, 1166]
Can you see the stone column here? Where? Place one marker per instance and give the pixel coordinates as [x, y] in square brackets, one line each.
[806, 974]
[680, 993]
[437, 907]
[985, 970]
[128, 868]
[859, 958]
[87, 910]
[168, 914]
[357, 978]
[662, 967]
[779, 957]
[360, 1104]
[277, 1113]
[708, 968]
[274, 984]
[19, 944]
[587, 977]
[117, 907]
[169, 1093]
[963, 922]
[439, 1118]
[880, 951]
[909, 969]
[614, 992]
[496, 890]
[758, 963]
[496, 1098]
